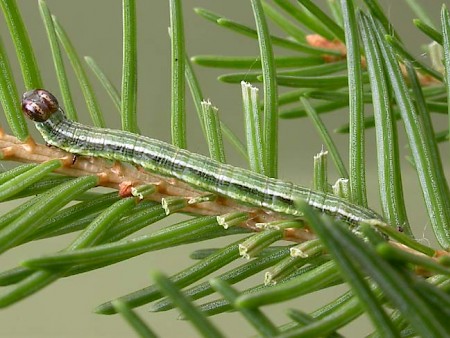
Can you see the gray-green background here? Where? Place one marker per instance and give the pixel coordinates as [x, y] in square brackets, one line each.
[64, 308]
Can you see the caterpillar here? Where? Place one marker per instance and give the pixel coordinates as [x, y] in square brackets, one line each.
[197, 170]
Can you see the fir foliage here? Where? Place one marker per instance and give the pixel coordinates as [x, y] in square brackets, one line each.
[346, 56]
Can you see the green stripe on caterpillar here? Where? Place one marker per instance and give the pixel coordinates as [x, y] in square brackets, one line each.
[197, 170]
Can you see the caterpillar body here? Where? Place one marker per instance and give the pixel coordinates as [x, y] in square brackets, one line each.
[197, 170]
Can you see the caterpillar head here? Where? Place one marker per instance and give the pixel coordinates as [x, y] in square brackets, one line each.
[39, 104]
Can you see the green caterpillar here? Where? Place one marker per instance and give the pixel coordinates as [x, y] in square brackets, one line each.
[197, 170]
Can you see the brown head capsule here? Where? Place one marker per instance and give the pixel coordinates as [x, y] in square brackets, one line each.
[39, 104]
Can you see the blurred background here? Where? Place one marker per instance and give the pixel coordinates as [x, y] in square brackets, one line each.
[65, 308]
